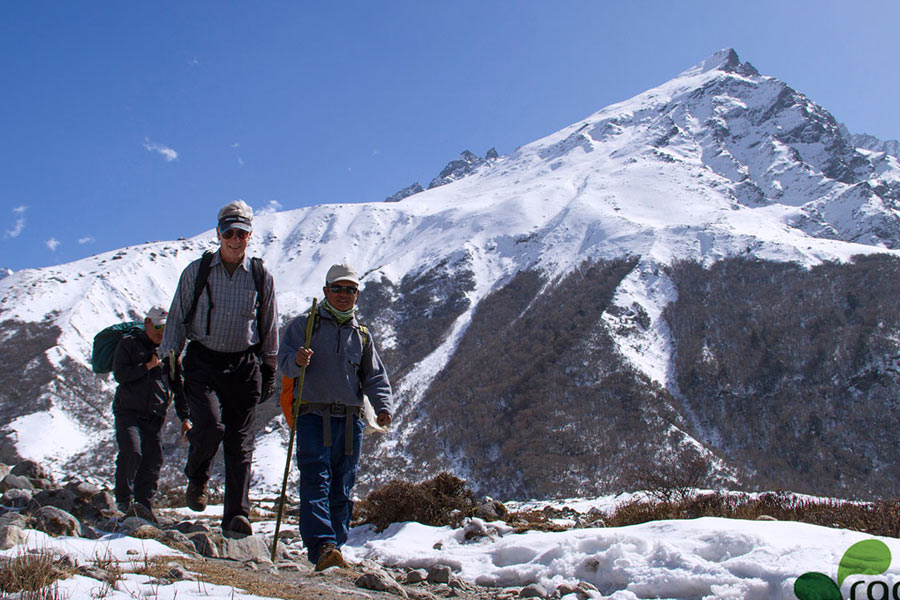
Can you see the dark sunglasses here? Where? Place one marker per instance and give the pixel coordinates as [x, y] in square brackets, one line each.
[343, 289]
[158, 327]
[235, 232]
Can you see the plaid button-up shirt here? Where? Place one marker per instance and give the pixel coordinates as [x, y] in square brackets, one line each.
[232, 320]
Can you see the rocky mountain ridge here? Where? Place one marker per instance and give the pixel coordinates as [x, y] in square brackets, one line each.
[542, 293]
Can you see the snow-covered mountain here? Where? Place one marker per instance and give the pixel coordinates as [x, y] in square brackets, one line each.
[539, 310]
[5, 272]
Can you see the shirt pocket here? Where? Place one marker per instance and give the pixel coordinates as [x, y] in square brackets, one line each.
[247, 303]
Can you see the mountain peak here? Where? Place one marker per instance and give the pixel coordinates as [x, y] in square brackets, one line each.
[726, 60]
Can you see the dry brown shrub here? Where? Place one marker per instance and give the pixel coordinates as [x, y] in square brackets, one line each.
[876, 518]
[442, 500]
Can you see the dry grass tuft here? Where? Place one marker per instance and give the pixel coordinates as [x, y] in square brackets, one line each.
[442, 500]
[32, 575]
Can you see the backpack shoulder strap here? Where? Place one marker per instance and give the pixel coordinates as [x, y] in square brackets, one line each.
[259, 281]
[364, 335]
[199, 284]
[259, 276]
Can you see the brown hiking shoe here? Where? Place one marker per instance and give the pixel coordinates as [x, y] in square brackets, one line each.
[195, 496]
[239, 525]
[329, 557]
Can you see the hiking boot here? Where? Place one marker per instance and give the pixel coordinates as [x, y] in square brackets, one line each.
[195, 496]
[329, 557]
[142, 511]
[239, 525]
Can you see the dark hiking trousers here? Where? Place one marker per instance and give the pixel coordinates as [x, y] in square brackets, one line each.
[140, 456]
[222, 391]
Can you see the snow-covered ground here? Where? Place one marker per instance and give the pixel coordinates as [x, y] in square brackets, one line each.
[702, 558]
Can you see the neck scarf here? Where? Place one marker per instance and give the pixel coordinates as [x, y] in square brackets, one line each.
[341, 316]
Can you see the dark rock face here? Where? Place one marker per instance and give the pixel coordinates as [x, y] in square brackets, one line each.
[793, 374]
[462, 166]
[410, 319]
[23, 375]
[535, 401]
[405, 193]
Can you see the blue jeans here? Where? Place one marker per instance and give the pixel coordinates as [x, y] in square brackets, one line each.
[327, 476]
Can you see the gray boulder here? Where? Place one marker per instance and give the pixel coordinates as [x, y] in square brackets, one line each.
[54, 521]
[148, 531]
[15, 498]
[416, 576]
[14, 518]
[62, 499]
[439, 574]
[31, 470]
[491, 510]
[533, 590]
[103, 502]
[129, 525]
[10, 536]
[245, 549]
[204, 544]
[83, 491]
[381, 582]
[13, 481]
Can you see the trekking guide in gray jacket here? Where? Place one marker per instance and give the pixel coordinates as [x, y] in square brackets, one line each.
[344, 367]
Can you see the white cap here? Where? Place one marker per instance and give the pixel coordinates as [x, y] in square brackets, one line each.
[341, 273]
[158, 315]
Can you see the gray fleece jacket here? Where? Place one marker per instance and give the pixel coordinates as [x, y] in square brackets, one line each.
[341, 369]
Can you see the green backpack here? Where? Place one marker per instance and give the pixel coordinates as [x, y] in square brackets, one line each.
[106, 341]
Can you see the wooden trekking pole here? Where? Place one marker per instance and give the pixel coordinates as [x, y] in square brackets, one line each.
[295, 414]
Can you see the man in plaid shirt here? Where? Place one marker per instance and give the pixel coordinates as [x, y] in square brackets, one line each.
[229, 365]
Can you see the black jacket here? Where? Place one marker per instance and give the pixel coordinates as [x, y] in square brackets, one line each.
[140, 390]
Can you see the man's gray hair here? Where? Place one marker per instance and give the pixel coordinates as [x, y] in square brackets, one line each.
[236, 215]
[238, 208]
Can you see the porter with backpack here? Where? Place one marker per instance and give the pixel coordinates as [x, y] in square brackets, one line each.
[140, 406]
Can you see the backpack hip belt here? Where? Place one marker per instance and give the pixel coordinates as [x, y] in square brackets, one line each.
[326, 411]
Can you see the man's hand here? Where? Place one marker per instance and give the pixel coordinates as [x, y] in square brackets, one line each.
[303, 357]
[383, 419]
[185, 427]
[176, 384]
[152, 363]
[267, 376]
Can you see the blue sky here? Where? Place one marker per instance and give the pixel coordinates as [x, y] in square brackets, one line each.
[125, 122]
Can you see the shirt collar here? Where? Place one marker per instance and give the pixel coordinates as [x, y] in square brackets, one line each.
[217, 260]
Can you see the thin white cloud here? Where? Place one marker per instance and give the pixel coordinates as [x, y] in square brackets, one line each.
[53, 244]
[168, 153]
[86, 240]
[19, 225]
[271, 207]
[240, 161]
